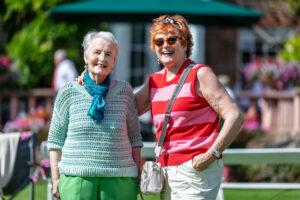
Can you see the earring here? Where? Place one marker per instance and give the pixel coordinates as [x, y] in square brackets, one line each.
[158, 62]
[85, 66]
[185, 56]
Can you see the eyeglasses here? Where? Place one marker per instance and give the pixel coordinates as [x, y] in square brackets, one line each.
[170, 40]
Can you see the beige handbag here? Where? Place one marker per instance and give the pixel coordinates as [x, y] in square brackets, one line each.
[153, 177]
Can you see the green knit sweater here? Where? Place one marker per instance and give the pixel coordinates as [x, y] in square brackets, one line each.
[90, 149]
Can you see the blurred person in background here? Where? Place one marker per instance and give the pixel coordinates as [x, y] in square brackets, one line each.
[65, 70]
[224, 79]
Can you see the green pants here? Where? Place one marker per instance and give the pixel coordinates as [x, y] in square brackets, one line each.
[97, 188]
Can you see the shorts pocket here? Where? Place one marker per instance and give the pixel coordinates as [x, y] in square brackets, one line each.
[188, 166]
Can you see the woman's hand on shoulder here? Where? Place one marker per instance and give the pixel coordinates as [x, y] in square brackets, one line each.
[79, 79]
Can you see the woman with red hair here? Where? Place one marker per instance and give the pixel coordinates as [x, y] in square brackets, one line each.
[192, 151]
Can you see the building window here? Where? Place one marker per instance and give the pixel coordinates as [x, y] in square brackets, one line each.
[252, 44]
[138, 54]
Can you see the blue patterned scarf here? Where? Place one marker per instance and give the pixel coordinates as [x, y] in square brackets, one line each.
[98, 92]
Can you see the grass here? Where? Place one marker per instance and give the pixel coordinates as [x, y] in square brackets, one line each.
[149, 197]
[41, 194]
[231, 194]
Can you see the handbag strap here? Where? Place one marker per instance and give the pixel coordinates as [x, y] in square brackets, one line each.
[141, 195]
[171, 102]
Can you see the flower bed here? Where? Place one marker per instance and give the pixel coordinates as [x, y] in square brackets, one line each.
[37, 121]
[275, 73]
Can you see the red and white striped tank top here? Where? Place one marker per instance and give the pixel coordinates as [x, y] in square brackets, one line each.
[193, 125]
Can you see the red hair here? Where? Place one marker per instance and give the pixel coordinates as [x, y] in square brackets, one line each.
[169, 24]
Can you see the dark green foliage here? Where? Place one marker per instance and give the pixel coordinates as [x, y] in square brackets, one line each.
[266, 173]
[32, 49]
[32, 38]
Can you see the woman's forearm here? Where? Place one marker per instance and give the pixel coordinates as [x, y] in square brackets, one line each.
[136, 155]
[55, 156]
[229, 131]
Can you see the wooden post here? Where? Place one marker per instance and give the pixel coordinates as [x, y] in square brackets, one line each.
[284, 113]
[267, 114]
[31, 103]
[1, 127]
[14, 104]
[296, 128]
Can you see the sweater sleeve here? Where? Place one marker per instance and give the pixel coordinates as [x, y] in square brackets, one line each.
[133, 126]
[60, 118]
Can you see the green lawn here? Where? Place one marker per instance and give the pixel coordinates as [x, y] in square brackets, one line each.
[41, 194]
[262, 194]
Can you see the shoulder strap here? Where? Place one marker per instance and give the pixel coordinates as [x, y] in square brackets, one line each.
[171, 102]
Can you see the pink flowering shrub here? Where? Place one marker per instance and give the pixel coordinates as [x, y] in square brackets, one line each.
[5, 62]
[38, 121]
[278, 74]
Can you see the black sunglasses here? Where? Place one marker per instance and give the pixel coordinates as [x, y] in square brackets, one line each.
[170, 40]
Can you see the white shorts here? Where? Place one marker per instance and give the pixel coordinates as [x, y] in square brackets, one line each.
[186, 183]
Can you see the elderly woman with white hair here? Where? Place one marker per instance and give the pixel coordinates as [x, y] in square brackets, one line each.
[94, 138]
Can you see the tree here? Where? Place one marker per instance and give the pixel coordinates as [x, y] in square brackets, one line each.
[294, 6]
[33, 37]
[291, 48]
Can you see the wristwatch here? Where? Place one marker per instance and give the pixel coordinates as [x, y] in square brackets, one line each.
[216, 152]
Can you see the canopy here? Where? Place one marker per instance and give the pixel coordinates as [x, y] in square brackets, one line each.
[206, 12]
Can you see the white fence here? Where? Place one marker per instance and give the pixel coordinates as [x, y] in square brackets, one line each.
[247, 157]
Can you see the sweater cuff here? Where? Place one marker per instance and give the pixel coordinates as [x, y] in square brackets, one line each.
[137, 144]
[51, 146]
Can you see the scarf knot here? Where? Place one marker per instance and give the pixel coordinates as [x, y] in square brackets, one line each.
[98, 92]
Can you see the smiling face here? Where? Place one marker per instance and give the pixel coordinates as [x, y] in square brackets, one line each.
[100, 57]
[171, 54]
